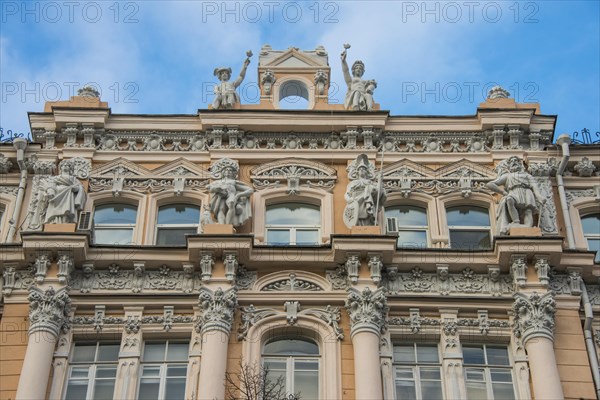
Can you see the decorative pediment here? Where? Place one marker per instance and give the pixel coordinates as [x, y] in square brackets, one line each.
[465, 168]
[291, 281]
[294, 172]
[181, 167]
[120, 167]
[293, 58]
[407, 168]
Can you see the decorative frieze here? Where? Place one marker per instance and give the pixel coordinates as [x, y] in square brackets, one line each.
[585, 167]
[291, 284]
[217, 310]
[297, 173]
[573, 195]
[48, 310]
[250, 316]
[367, 310]
[414, 322]
[245, 279]
[338, 278]
[534, 315]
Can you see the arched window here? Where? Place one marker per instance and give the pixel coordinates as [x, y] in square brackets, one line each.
[175, 221]
[293, 224]
[293, 95]
[469, 227]
[410, 222]
[296, 361]
[114, 223]
[591, 231]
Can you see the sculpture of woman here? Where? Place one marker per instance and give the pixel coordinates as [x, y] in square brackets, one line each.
[521, 196]
[363, 194]
[230, 198]
[225, 92]
[65, 196]
[360, 92]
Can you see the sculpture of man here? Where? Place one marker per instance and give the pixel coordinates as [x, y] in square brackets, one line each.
[225, 92]
[65, 196]
[230, 198]
[522, 198]
[360, 92]
[364, 195]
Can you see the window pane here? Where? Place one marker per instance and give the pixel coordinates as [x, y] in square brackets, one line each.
[591, 224]
[503, 391]
[84, 353]
[427, 354]
[408, 215]
[154, 352]
[404, 373]
[275, 364]
[167, 237]
[179, 214]
[115, 214]
[468, 216]
[278, 236]
[470, 240]
[151, 371]
[594, 245]
[307, 237]
[291, 347]
[412, 239]
[79, 373]
[475, 374]
[106, 372]
[176, 371]
[149, 389]
[473, 355]
[405, 390]
[307, 383]
[497, 356]
[76, 390]
[104, 389]
[430, 373]
[113, 236]
[431, 390]
[501, 375]
[108, 352]
[404, 354]
[178, 352]
[175, 389]
[476, 391]
[293, 214]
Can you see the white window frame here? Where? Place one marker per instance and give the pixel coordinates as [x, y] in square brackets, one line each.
[593, 236]
[92, 369]
[416, 366]
[108, 227]
[195, 226]
[292, 229]
[163, 365]
[488, 367]
[410, 228]
[465, 228]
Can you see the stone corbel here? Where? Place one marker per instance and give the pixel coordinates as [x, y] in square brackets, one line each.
[368, 136]
[50, 140]
[65, 267]
[353, 266]
[216, 135]
[9, 275]
[291, 308]
[498, 135]
[139, 269]
[484, 323]
[542, 268]
[168, 312]
[99, 313]
[494, 277]
[207, 263]
[414, 318]
[574, 280]
[71, 132]
[519, 269]
[514, 134]
[188, 278]
[375, 267]
[88, 135]
[88, 277]
[235, 135]
[350, 135]
[443, 281]
[534, 140]
[230, 261]
[42, 262]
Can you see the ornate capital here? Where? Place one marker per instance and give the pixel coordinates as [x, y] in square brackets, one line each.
[534, 315]
[217, 309]
[48, 310]
[367, 310]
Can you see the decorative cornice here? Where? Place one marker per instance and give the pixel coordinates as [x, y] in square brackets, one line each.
[367, 310]
[217, 310]
[48, 310]
[534, 316]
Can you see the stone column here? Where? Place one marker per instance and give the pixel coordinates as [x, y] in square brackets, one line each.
[534, 323]
[215, 325]
[367, 311]
[48, 315]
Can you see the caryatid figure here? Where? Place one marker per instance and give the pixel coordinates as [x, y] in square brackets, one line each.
[225, 92]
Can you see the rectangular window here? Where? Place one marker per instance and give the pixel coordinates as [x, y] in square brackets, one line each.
[92, 371]
[417, 372]
[163, 371]
[488, 372]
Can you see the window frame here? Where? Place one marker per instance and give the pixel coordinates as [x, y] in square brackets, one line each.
[592, 236]
[469, 228]
[92, 369]
[488, 368]
[163, 366]
[292, 229]
[158, 226]
[410, 228]
[114, 227]
[416, 366]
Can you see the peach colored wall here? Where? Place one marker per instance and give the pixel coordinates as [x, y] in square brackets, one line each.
[347, 359]
[571, 356]
[13, 343]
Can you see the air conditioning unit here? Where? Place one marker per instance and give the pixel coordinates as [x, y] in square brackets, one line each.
[85, 222]
[391, 225]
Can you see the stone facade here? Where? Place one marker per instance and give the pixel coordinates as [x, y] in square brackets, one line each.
[141, 231]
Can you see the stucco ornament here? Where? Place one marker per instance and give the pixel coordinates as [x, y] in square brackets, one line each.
[63, 197]
[534, 315]
[217, 309]
[360, 92]
[363, 194]
[48, 310]
[367, 309]
[522, 198]
[230, 202]
[225, 92]
[267, 79]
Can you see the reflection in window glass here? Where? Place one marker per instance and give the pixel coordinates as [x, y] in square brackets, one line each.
[295, 224]
[488, 373]
[164, 371]
[469, 227]
[114, 224]
[591, 231]
[92, 371]
[174, 222]
[410, 222]
[417, 372]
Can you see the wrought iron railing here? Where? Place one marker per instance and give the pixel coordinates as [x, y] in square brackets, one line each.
[9, 136]
[585, 137]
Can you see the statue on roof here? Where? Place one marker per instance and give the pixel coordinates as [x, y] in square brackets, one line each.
[226, 96]
[360, 92]
[364, 195]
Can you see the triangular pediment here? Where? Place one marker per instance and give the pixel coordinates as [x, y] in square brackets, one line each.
[408, 169]
[182, 167]
[292, 58]
[463, 168]
[119, 167]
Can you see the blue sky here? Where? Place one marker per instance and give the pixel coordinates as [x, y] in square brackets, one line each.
[433, 58]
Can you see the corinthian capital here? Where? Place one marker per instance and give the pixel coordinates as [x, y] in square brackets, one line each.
[48, 310]
[217, 309]
[534, 315]
[367, 310]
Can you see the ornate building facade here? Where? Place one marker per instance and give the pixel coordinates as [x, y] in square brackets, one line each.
[356, 254]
